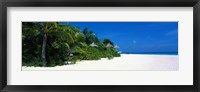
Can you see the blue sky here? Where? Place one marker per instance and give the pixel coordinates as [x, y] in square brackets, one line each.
[136, 36]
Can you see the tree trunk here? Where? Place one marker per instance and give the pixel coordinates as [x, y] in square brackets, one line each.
[44, 50]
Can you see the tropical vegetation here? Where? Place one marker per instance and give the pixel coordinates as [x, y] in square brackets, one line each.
[49, 44]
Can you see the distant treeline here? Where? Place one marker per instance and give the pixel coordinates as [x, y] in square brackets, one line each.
[50, 44]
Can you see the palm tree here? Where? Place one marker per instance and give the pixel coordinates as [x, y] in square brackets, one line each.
[47, 27]
[69, 34]
[107, 41]
[80, 37]
[90, 36]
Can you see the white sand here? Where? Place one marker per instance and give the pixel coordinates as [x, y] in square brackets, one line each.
[125, 62]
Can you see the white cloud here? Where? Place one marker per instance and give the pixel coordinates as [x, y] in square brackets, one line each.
[134, 41]
[171, 33]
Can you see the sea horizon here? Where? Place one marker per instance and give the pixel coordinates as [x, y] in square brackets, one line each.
[152, 53]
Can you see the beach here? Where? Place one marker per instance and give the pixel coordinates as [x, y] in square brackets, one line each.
[136, 62]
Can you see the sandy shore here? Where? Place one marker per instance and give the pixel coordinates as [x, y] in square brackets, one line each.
[125, 62]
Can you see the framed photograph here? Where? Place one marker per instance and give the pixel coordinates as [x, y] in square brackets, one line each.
[106, 45]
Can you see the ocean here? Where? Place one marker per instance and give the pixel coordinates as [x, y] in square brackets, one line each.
[152, 53]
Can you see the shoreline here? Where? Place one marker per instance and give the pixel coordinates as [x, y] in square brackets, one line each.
[124, 62]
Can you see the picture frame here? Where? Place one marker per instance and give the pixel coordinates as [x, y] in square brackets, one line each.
[103, 3]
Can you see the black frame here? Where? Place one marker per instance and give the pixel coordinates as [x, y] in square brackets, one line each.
[98, 3]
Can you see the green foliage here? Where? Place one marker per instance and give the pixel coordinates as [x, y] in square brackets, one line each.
[64, 43]
[31, 44]
[107, 41]
[90, 36]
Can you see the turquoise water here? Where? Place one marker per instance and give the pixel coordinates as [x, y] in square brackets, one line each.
[152, 53]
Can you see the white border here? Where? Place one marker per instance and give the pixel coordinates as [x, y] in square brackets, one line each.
[182, 14]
